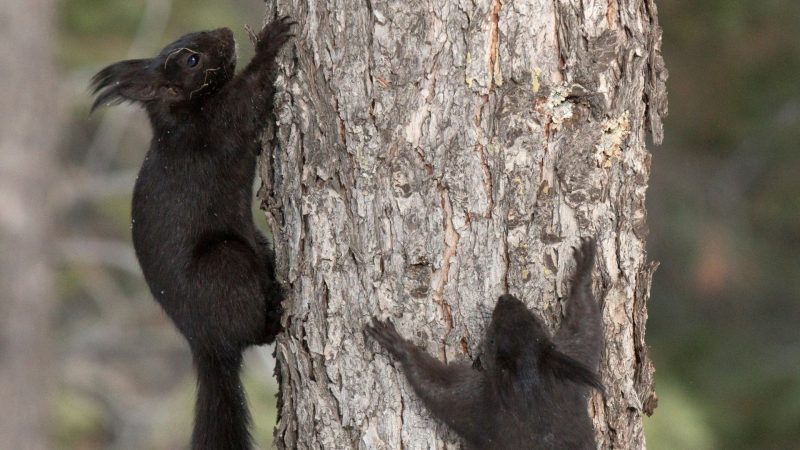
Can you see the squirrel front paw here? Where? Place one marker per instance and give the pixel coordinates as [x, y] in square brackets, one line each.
[273, 35]
[386, 334]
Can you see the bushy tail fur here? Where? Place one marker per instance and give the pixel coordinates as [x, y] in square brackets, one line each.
[221, 416]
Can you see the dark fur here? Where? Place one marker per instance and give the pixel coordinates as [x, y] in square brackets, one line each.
[529, 390]
[205, 262]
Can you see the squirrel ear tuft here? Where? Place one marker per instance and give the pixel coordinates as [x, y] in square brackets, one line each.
[130, 80]
[566, 368]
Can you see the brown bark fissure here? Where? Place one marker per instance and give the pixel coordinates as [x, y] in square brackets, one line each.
[434, 155]
[442, 276]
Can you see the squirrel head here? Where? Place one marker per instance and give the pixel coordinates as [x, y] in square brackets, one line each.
[514, 338]
[519, 354]
[192, 67]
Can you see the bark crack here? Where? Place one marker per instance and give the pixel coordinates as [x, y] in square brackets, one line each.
[342, 126]
[488, 188]
[441, 277]
[507, 257]
[495, 76]
[402, 420]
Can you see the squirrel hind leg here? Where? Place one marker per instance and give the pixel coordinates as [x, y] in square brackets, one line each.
[227, 284]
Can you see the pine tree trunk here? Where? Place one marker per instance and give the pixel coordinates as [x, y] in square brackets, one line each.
[430, 156]
[28, 131]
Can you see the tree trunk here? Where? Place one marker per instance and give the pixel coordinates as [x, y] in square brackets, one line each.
[431, 156]
[28, 130]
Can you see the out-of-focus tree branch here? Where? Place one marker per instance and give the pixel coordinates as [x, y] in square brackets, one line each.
[27, 153]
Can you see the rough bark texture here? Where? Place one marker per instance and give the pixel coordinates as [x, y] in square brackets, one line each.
[431, 156]
[28, 129]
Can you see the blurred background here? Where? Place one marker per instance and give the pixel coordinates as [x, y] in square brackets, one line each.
[724, 215]
[723, 203]
[109, 364]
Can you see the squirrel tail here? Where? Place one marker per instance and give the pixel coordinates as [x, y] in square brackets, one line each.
[221, 415]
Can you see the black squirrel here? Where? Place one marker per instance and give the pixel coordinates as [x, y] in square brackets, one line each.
[203, 258]
[527, 390]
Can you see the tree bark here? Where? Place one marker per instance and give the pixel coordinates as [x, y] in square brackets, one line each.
[28, 105]
[430, 156]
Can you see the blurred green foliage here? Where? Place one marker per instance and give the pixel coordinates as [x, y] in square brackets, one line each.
[725, 220]
[80, 421]
[687, 425]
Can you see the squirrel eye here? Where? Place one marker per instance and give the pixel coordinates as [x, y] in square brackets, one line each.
[192, 60]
